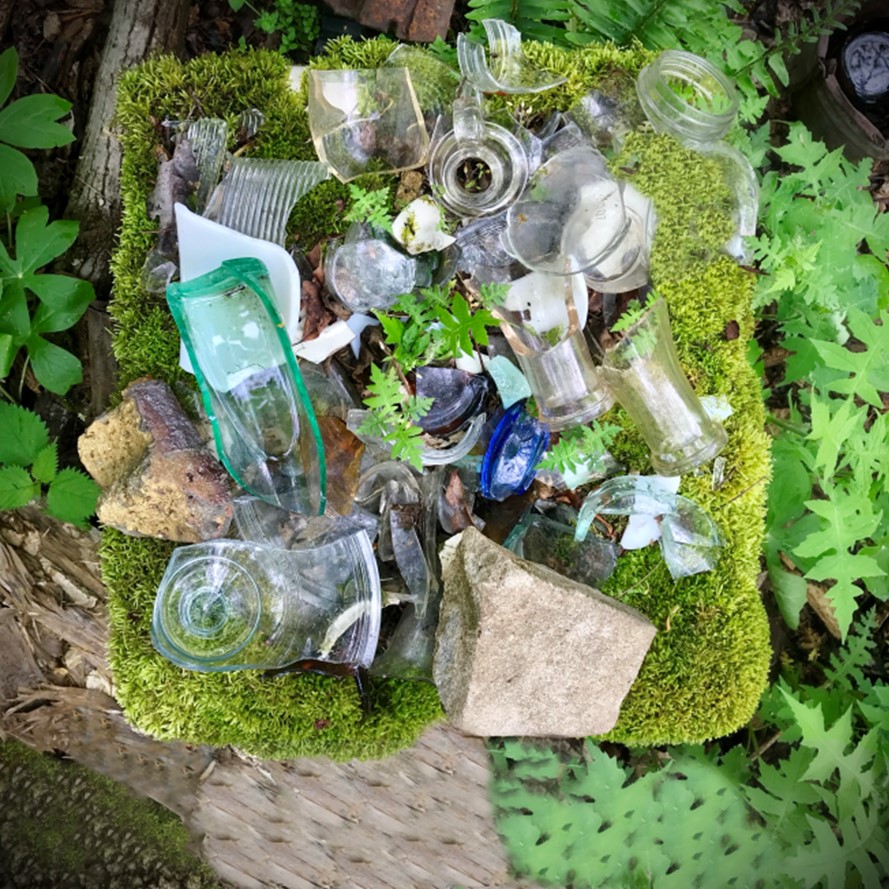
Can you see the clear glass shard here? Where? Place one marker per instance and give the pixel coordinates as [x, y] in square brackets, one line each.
[257, 195]
[504, 69]
[208, 137]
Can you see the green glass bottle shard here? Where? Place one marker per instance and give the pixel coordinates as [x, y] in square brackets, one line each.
[263, 422]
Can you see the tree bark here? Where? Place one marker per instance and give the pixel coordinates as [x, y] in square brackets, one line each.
[138, 29]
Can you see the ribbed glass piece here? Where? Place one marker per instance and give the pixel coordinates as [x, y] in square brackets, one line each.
[208, 137]
[257, 195]
[265, 429]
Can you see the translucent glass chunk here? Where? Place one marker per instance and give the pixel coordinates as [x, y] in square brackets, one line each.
[257, 195]
[443, 456]
[368, 119]
[546, 542]
[263, 423]
[231, 604]
[690, 540]
[410, 650]
[505, 69]
[369, 274]
[513, 453]
[512, 384]
[208, 137]
[570, 216]
[434, 82]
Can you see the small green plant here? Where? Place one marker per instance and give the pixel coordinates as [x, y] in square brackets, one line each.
[29, 470]
[580, 446]
[372, 207]
[297, 23]
[633, 313]
[29, 122]
[434, 325]
[58, 301]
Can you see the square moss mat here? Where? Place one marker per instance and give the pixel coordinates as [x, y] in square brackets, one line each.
[708, 664]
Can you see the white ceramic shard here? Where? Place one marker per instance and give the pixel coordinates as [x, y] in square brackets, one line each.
[333, 338]
[204, 245]
[419, 227]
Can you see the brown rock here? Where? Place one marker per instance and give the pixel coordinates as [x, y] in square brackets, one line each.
[158, 479]
[521, 650]
[430, 20]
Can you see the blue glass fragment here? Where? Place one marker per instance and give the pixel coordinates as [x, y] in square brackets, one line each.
[515, 449]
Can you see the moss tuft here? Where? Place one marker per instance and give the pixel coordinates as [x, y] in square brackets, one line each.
[707, 667]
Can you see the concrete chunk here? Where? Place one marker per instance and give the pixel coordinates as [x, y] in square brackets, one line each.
[521, 650]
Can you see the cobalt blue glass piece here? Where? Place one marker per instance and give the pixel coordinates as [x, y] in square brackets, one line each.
[516, 447]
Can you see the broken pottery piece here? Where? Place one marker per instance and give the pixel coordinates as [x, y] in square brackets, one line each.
[263, 423]
[690, 540]
[233, 604]
[419, 227]
[521, 650]
[158, 478]
[505, 69]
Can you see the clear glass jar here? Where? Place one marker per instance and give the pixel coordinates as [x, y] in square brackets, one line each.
[684, 95]
[644, 373]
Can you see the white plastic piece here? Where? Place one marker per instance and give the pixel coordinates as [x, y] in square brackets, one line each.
[539, 297]
[472, 364]
[330, 340]
[295, 77]
[357, 322]
[205, 245]
[642, 530]
[716, 407]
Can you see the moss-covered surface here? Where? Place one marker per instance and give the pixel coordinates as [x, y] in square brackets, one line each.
[63, 826]
[708, 665]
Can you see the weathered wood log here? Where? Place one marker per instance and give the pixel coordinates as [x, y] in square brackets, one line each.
[138, 29]
[418, 820]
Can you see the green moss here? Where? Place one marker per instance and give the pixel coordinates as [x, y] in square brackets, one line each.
[63, 825]
[707, 666]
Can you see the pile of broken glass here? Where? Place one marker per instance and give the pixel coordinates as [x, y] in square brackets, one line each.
[514, 222]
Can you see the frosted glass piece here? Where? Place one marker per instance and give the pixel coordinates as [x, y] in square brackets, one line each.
[512, 385]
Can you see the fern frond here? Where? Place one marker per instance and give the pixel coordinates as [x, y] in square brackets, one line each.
[536, 19]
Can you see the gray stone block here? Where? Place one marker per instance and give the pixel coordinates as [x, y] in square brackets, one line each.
[521, 650]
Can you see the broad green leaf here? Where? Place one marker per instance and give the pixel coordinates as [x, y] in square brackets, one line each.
[17, 488]
[8, 351]
[14, 316]
[63, 301]
[17, 176]
[24, 435]
[790, 594]
[37, 243]
[30, 122]
[56, 368]
[72, 496]
[9, 63]
[46, 464]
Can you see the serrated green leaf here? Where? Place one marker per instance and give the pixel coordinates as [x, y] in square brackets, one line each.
[72, 496]
[17, 176]
[24, 435]
[17, 488]
[9, 65]
[46, 464]
[30, 122]
[56, 368]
